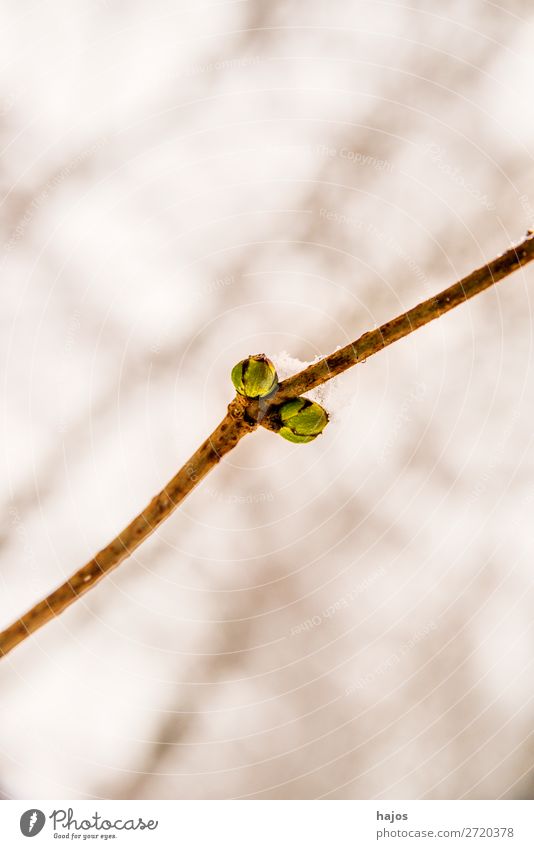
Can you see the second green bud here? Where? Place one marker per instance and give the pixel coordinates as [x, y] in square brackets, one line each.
[302, 420]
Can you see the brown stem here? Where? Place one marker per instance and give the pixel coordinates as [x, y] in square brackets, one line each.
[374, 340]
[226, 435]
[244, 416]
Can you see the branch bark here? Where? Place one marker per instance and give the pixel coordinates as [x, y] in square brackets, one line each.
[226, 435]
[375, 340]
[242, 417]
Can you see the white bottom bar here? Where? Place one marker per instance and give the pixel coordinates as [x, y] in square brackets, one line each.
[269, 824]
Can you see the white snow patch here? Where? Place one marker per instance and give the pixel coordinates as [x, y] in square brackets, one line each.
[334, 395]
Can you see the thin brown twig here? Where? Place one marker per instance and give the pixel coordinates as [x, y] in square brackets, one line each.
[225, 437]
[243, 417]
[375, 340]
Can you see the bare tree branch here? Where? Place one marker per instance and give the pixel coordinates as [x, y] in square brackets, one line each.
[225, 437]
[374, 340]
[243, 417]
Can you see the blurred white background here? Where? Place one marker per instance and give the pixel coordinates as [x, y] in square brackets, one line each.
[184, 184]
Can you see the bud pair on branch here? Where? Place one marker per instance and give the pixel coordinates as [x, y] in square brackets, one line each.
[297, 420]
[261, 400]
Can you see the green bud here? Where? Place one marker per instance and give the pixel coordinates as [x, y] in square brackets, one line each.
[302, 420]
[255, 377]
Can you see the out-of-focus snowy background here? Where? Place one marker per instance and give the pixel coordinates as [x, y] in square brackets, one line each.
[186, 183]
